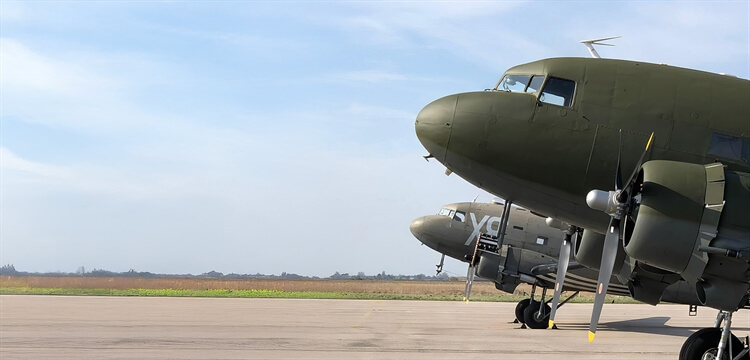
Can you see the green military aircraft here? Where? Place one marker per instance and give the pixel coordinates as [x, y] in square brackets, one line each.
[552, 133]
[529, 255]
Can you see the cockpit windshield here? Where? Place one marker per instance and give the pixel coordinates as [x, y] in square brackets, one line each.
[446, 212]
[453, 214]
[520, 83]
[513, 83]
[556, 91]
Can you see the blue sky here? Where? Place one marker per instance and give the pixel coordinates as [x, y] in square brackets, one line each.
[184, 137]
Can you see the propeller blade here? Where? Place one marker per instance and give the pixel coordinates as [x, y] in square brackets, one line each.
[631, 180]
[609, 254]
[469, 282]
[618, 172]
[562, 268]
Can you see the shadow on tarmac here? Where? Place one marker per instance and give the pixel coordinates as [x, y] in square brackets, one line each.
[651, 325]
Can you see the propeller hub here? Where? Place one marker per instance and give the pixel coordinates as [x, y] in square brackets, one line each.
[608, 202]
[600, 200]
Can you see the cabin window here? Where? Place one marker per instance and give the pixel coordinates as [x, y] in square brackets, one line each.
[558, 92]
[518, 227]
[535, 84]
[460, 216]
[541, 240]
[513, 83]
[730, 147]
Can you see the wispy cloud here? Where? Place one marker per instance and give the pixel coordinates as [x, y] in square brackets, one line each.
[67, 90]
[481, 32]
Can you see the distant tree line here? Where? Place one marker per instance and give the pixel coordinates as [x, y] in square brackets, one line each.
[10, 270]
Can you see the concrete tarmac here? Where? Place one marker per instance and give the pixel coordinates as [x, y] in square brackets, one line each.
[62, 327]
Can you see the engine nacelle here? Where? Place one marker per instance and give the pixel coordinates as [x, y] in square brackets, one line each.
[502, 268]
[488, 267]
[682, 212]
[588, 249]
[669, 215]
[647, 283]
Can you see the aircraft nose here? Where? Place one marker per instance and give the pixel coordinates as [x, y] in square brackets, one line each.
[416, 227]
[433, 125]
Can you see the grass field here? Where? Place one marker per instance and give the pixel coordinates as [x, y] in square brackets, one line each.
[262, 288]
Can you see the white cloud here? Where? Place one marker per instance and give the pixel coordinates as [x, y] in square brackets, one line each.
[26, 71]
[64, 90]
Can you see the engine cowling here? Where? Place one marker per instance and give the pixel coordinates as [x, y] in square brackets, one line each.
[488, 267]
[502, 268]
[681, 212]
[669, 214]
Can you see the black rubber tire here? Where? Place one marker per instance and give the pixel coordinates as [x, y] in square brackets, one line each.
[531, 318]
[520, 307]
[705, 340]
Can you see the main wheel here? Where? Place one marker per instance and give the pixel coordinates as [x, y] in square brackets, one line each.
[536, 319]
[703, 345]
[520, 307]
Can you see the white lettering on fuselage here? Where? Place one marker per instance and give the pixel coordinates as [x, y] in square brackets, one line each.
[493, 226]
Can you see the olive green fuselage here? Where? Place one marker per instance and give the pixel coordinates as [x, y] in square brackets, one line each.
[547, 157]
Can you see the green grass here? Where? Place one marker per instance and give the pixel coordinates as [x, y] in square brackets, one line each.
[221, 293]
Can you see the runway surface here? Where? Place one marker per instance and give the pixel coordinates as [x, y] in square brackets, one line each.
[61, 327]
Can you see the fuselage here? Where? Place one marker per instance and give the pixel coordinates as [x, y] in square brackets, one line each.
[546, 145]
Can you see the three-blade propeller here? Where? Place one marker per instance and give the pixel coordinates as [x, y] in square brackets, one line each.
[616, 204]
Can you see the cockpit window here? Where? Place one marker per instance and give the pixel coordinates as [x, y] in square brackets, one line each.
[513, 83]
[535, 84]
[558, 92]
[460, 216]
[447, 212]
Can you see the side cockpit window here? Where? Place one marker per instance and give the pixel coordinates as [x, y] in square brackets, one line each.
[558, 92]
[445, 212]
[459, 216]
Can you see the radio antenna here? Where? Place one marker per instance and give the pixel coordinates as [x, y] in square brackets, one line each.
[590, 45]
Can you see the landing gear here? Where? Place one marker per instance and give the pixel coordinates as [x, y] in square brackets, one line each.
[536, 315]
[528, 311]
[715, 343]
[520, 307]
